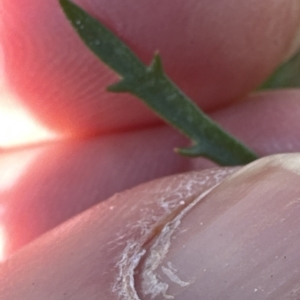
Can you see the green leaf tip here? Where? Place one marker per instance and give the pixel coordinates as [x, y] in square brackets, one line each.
[286, 75]
[157, 91]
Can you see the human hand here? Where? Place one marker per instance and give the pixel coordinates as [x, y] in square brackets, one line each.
[101, 143]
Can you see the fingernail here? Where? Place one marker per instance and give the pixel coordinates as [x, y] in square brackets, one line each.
[241, 241]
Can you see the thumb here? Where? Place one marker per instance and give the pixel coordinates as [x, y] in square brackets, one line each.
[183, 237]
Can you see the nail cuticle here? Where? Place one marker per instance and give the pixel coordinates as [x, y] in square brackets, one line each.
[135, 250]
[151, 285]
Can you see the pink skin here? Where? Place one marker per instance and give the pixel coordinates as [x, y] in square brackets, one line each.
[239, 242]
[217, 51]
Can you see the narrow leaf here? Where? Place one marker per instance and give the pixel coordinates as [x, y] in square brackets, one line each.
[152, 86]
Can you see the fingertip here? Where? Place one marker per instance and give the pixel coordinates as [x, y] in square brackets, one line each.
[236, 243]
[232, 233]
[215, 51]
[95, 255]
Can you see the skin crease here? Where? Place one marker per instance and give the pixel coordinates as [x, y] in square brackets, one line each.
[43, 67]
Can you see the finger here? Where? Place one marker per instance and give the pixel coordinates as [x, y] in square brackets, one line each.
[181, 237]
[237, 243]
[151, 204]
[267, 122]
[42, 187]
[215, 51]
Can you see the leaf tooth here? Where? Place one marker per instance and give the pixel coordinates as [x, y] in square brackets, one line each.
[156, 66]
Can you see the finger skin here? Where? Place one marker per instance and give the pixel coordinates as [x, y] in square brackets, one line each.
[92, 256]
[216, 51]
[269, 121]
[57, 181]
[239, 242]
[47, 185]
[243, 231]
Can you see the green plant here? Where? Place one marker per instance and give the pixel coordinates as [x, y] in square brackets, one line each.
[155, 89]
